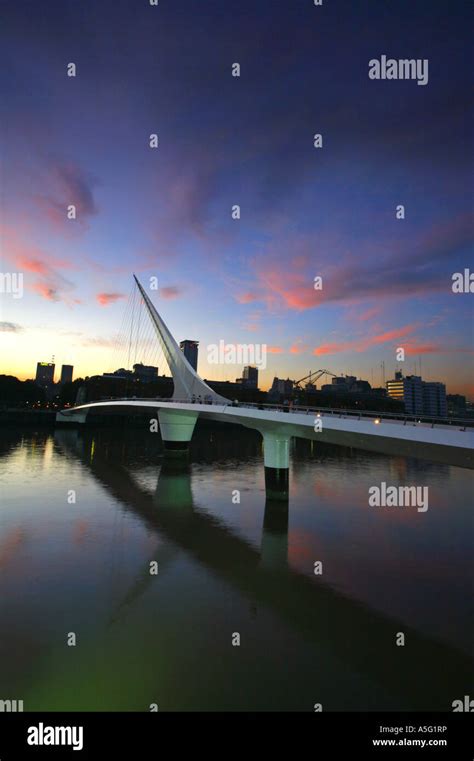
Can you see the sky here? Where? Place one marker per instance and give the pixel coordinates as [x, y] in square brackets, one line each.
[305, 212]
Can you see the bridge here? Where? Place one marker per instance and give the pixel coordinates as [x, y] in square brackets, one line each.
[447, 441]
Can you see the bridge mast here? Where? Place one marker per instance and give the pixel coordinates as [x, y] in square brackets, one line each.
[187, 382]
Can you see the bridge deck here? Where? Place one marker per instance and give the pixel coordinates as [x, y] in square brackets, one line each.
[447, 441]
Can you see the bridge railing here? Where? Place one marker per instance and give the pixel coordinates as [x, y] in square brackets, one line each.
[376, 416]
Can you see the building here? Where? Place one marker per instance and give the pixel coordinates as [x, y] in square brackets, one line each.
[346, 384]
[120, 373]
[378, 391]
[145, 373]
[434, 399]
[281, 389]
[237, 391]
[66, 373]
[396, 387]
[343, 382]
[250, 377]
[190, 351]
[419, 397]
[408, 390]
[456, 404]
[45, 374]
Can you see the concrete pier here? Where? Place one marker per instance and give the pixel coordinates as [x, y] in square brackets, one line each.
[176, 431]
[276, 452]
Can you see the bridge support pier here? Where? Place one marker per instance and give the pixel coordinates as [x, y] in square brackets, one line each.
[176, 431]
[276, 451]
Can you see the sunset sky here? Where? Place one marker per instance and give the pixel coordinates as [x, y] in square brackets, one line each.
[223, 140]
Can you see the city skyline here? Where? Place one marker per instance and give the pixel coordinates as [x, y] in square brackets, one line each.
[320, 382]
[305, 212]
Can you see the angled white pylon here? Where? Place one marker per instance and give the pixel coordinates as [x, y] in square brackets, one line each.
[187, 382]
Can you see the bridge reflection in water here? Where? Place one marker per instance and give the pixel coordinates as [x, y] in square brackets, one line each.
[426, 674]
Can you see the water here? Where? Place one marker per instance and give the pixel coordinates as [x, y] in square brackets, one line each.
[224, 569]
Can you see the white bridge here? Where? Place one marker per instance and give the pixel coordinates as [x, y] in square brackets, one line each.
[446, 441]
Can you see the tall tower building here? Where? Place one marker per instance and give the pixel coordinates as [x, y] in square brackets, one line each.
[190, 351]
[66, 373]
[45, 374]
[250, 377]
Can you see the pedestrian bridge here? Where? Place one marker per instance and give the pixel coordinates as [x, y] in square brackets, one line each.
[447, 441]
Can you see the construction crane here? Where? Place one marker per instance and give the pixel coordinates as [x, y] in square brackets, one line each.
[313, 377]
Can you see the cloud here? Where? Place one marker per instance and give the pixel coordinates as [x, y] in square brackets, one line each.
[414, 348]
[70, 185]
[367, 314]
[390, 335]
[105, 299]
[295, 290]
[354, 273]
[362, 344]
[10, 327]
[27, 257]
[274, 350]
[32, 265]
[299, 347]
[246, 298]
[169, 292]
[46, 291]
[332, 348]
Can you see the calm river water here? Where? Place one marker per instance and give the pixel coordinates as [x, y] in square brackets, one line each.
[235, 618]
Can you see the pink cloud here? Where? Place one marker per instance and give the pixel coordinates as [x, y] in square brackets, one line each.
[299, 347]
[368, 314]
[349, 275]
[170, 292]
[414, 348]
[48, 292]
[332, 348]
[27, 257]
[274, 350]
[32, 265]
[246, 298]
[294, 289]
[105, 299]
[362, 344]
[391, 335]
